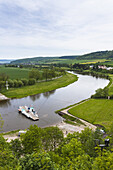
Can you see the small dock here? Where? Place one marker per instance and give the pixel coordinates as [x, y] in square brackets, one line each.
[3, 97]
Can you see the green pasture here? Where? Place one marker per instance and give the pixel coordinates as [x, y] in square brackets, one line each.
[15, 73]
[110, 62]
[40, 87]
[95, 61]
[95, 111]
[111, 86]
[72, 61]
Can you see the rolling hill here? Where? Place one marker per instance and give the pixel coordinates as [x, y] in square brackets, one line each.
[108, 55]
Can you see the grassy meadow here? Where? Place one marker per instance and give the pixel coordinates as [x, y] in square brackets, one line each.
[95, 111]
[15, 73]
[40, 87]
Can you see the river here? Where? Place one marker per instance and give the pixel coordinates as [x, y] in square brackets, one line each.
[47, 103]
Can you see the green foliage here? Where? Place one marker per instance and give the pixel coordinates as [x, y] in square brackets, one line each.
[11, 83]
[24, 81]
[33, 151]
[34, 73]
[87, 138]
[15, 83]
[7, 159]
[40, 87]
[104, 162]
[16, 147]
[2, 84]
[31, 81]
[20, 83]
[3, 76]
[101, 93]
[37, 139]
[72, 149]
[52, 138]
[31, 140]
[36, 161]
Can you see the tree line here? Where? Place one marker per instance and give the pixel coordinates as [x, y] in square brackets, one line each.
[34, 76]
[48, 149]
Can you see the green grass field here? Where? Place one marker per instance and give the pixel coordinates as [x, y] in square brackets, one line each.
[95, 111]
[111, 86]
[40, 87]
[15, 73]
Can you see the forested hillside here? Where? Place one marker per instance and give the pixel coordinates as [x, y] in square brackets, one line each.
[108, 55]
[97, 55]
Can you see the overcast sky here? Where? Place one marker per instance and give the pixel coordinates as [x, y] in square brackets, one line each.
[55, 27]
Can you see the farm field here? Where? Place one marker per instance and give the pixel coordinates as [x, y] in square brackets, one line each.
[108, 62]
[95, 111]
[15, 73]
[73, 61]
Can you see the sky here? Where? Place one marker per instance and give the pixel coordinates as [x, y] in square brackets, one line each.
[30, 28]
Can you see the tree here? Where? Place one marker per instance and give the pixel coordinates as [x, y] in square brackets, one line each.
[15, 83]
[20, 83]
[72, 150]
[101, 93]
[31, 81]
[16, 147]
[25, 81]
[34, 73]
[37, 161]
[3, 76]
[87, 138]
[11, 83]
[45, 74]
[52, 138]
[7, 159]
[2, 84]
[104, 161]
[31, 140]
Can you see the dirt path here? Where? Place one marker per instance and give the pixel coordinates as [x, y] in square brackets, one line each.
[67, 128]
[11, 137]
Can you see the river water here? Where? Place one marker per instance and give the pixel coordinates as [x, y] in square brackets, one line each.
[47, 103]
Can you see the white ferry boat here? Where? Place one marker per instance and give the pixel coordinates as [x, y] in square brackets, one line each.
[29, 112]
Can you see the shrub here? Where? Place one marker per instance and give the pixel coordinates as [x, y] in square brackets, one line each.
[32, 81]
[11, 83]
[20, 83]
[25, 82]
[15, 83]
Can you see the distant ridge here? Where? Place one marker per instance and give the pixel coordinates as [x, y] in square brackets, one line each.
[90, 56]
[4, 61]
[98, 55]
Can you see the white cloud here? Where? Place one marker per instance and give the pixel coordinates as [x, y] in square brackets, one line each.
[50, 27]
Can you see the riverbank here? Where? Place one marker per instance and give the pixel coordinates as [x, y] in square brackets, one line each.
[40, 87]
[3, 97]
[65, 127]
[95, 111]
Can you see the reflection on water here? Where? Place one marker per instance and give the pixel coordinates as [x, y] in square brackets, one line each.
[35, 97]
[47, 94]
[47, 103]
[5, 103]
